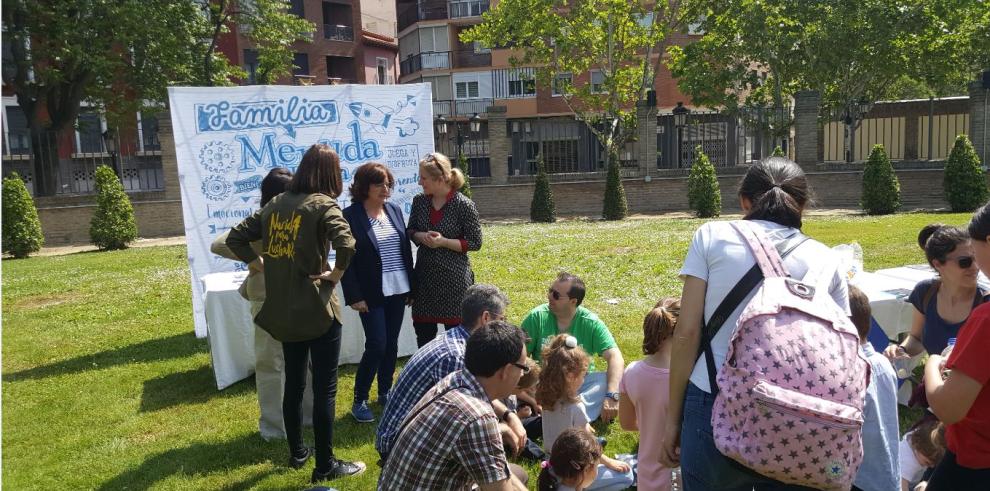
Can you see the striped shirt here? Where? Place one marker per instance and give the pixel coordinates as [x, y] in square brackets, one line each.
[395, 279]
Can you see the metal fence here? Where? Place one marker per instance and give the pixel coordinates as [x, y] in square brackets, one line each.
[138, 164]
[727, 138]
[474, 146]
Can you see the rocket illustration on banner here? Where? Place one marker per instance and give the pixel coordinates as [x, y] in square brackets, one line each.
[382, 118]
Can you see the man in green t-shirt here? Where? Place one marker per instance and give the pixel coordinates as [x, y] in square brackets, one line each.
[563, 314]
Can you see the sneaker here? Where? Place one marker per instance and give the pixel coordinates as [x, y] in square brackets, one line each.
[338, 468]
[361, 412]
[297, 462]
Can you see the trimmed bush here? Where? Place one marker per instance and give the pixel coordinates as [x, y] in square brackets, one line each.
[778, 152]
[965, 180]
[21, 228]
[465, 166]
[881, 189]
[542, 208]
[614, 207]
[704, 195]
[113, 224]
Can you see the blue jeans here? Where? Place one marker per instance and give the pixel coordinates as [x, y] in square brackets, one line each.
[324, 352]
[703, 467]
[381, 345]
[592, 394]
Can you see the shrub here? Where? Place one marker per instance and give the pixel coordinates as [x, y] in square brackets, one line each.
[614, 207]
[704, 195]
[113, 224]
[21, 228]
[965, 180]
[542, 208]
[465, 166]
[778, 152]
[881, 189]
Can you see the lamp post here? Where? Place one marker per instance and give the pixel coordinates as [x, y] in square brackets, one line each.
[680, 119]
[459, 137]
[110, 143]
[855, 112]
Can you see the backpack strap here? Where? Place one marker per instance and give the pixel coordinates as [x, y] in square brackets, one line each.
[736, 295]
[766, 254]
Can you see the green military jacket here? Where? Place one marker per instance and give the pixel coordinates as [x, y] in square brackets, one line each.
[296, 231]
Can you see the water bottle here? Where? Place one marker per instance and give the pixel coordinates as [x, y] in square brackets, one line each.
[675, 479]
[945, 358]
[857, 259]
[902, 363]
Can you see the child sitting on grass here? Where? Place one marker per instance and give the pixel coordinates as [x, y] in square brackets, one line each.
[573, 463]
[644, 393]
[564, 367]
[920, 450]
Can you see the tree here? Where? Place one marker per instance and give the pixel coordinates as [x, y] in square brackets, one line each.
[21, 228]
[465, 167]
[542, 208]
[112, 226]
[965, 180]
[614, 205]
[118, 56]
[559, 41]
[881, 189]
[778, 152]
[704, 194]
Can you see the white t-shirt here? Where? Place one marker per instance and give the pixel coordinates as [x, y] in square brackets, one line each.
[911, 469]
[720, 256]
[564, 415]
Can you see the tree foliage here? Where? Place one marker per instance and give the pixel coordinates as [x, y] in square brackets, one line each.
[542, 208]
[614, 205]
[881, 189]
[22, 233]
[965, 179]
[704, 194]
[112, 226]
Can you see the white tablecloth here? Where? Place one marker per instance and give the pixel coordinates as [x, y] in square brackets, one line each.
[231, 330]
[888, 299]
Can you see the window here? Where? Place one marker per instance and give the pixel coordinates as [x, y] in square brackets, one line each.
[597, 82]
[559, 82]
[470, 8]
[521, 83]
[382, 67]
[695, 28]
[251, 66]
[17, 137]
[297, 9]
[466, 90]
[300, 62]
[480, 49]
[148, 132]
[89, 131]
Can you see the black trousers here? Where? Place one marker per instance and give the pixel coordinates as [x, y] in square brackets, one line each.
[324, 352]
[426, 331]
[950, 476]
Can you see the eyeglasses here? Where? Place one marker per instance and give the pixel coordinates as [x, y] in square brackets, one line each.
[556, 295]
[522, 366]
[964, 262]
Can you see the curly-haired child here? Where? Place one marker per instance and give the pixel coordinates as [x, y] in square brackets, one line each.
[573, 462]
[564, 367]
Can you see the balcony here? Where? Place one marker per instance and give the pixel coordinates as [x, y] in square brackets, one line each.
[461, 107]
[411, 13]
[436, 60]
[469, 58]
[340, 81]
[470, 8]
[338, 32]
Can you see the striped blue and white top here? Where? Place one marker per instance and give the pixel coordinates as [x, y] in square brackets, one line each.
[395, 278]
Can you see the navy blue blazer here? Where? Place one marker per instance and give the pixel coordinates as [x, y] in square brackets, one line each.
[363, 278]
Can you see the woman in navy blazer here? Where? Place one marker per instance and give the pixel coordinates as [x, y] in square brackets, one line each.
[379, 280]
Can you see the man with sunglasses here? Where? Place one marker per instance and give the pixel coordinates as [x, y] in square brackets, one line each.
[563, 314]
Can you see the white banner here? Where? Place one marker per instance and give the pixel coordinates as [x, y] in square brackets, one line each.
[228, 138]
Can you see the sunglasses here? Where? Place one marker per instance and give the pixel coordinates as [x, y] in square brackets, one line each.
[525, 368]
[556, 295]
[964, 262]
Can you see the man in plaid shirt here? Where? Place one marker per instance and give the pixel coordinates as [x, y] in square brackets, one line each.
[439, 358]
[451, 439]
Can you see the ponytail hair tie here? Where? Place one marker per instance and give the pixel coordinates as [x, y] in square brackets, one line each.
[545, 465]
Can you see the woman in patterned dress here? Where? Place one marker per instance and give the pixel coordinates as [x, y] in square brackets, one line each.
[444, 224]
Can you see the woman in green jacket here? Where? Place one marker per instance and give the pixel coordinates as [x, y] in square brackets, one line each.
[297, 229]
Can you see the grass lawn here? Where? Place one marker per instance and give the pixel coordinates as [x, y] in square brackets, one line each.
[105, 386]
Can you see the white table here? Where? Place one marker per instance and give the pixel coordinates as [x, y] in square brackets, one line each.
[888, 300]
[231, 330]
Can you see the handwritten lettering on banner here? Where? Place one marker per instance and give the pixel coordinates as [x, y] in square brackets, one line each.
[227, 140]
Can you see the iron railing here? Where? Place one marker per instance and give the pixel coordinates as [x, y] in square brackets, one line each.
[469, 8]
[338, 32]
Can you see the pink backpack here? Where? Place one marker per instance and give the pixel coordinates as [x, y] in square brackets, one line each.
[791, 392]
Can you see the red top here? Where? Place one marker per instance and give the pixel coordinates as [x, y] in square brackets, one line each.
[437, 215]
[969, 439]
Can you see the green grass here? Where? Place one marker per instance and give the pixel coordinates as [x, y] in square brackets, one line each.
[105, 387]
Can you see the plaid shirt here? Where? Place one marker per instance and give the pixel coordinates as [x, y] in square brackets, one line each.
[451, 441]
[426, 368]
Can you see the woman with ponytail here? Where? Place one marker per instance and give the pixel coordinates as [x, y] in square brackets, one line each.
[773, 196]
[573, 462]
[941, 304]
[444, 224]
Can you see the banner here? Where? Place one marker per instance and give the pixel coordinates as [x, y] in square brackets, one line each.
[228, 138]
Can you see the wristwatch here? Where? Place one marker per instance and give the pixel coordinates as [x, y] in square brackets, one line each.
[612, 395]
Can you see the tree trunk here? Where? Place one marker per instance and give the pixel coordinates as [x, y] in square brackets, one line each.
[44, 150]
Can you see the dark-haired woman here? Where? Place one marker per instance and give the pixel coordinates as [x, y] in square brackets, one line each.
[378, 281]
[444, 224]
[941, 304]
[269, 378]
[958, 389]
[773, 195]
[297, 229]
